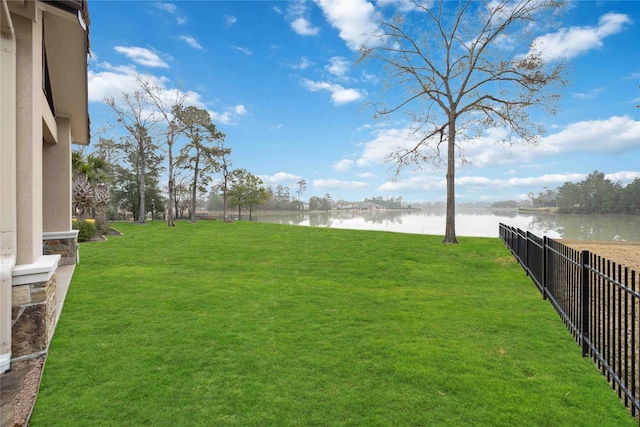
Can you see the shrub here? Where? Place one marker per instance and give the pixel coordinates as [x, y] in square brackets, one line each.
[104, 229]
[87, 229]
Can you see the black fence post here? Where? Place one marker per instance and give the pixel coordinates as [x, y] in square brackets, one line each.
[526, 251]
[545, 241]
[527, 242]
[584, 332]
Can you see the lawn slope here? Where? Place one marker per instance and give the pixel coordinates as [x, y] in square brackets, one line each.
[261, 324]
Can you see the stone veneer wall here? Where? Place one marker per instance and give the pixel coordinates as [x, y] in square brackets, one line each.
[67, 248]
[33, 313]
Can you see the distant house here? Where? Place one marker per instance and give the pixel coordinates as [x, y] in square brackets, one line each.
[370, 206]
[43, 111]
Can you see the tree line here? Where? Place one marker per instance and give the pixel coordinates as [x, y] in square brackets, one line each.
[126, 170]
[594, 194]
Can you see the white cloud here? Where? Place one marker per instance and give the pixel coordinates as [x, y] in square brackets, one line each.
[571, 42]
[366, 175]
[339, 67]
[303, 27]
[385, 142]
[355, 20]
[191, 41]
[536, 183]
[243, 50]
[617, 134]
[297, 16]
[480, 184]
[484, 187]
[280, 178]
[332, 184]
[230, 115]
[142, 56]
[343, 165]
[113, 81]
[303, 64]
[167, 7]
[623, 176]
[369, 78]
[230, 20]
[415, 183]
[589, 95]
[172, 9]
[339, 94]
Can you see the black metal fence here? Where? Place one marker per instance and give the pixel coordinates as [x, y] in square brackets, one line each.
[597, 299]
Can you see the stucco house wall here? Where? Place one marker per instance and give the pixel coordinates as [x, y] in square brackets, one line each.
[43, 111]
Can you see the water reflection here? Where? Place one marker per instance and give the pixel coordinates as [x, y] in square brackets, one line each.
[320, 220]
[479, 223]
[588, 227]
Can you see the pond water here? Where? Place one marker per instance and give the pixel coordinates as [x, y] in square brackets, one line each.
[476, 223]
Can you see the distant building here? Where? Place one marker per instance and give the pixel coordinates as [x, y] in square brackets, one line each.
[43, 111]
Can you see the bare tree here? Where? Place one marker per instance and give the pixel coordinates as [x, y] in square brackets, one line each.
[106, 149]
[466, 66]
[156, 97]
[132, 113]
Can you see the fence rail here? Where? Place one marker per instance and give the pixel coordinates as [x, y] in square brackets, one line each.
[597, 299]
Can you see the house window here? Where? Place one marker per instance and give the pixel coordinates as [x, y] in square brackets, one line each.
[46, 82]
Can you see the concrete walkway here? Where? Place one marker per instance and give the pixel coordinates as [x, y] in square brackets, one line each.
[64, 273]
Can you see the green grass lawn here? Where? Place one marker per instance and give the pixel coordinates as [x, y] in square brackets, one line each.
[254, 324]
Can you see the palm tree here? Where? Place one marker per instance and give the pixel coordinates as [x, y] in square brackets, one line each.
[93, 167]
[82, 196]
[89, 186]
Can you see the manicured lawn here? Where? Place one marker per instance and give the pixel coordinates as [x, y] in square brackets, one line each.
[253, 324]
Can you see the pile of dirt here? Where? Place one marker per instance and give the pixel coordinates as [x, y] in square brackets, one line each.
[626, 254]
[114, 232]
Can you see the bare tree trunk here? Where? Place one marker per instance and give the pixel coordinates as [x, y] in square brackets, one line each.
[450, 225]
[224, 203]
[142, 174]
[194, 190]
[164, 107]
[224, 194]
[170, 222]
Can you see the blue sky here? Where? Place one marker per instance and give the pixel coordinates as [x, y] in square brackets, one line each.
[279, 80]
